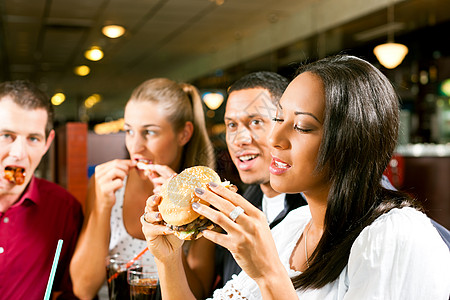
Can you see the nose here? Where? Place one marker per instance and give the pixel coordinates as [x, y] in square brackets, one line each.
[241, 137]
[136, 144]
[276, 139]
[18, 149]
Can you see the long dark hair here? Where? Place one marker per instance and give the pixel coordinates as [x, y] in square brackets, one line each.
[360, 135]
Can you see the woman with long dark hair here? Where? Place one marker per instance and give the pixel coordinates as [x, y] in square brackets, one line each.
[336, 130]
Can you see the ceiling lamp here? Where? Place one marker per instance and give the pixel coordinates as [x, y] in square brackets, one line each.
[92, 100]
[113, 31]
[94, 53]
[58, 98]
[390, 54]
[82, 70]
[213, 100]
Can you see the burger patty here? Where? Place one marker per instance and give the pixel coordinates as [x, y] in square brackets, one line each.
[199, 224]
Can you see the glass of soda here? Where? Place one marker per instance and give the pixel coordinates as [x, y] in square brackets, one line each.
[116, 276]
[143, 282]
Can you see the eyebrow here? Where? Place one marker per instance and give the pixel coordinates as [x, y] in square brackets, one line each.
[306, 113]
[34, 134]
[246, 115]
[145, 126]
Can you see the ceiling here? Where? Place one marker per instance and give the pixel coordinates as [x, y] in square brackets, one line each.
[43, 40]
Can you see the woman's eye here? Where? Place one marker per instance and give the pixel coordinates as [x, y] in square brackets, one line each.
[129, 132]
[300, 129]
[150, 132]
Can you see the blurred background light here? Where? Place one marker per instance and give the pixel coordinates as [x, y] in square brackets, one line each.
[82, 70]
[92, 100]
[58, 98]
[113, 31]
[94, 53]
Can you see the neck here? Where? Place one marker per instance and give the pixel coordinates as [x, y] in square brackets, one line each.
[267, 189]
[317, 202]
[6, 201]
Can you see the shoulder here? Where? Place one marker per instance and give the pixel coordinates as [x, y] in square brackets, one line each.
[405, 225]
[400, 255]
[399, 235]
[53, 191]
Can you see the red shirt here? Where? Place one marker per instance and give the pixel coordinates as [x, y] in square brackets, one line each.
[29, 233]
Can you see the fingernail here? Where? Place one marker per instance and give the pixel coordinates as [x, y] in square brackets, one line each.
[213, 184]
[157, 216]
[199, 191]
[195, 206]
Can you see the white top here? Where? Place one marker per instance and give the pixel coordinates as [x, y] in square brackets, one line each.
[399, 256]
[272, 207]
[121, 241]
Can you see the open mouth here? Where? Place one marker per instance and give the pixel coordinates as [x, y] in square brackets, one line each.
[280, 165]
[15, 175]
[249, 157]
[143, 164]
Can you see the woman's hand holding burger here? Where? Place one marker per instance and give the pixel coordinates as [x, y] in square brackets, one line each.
[160, 239]
[247, 236]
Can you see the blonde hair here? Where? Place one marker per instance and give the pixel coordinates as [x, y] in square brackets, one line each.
[181, 103]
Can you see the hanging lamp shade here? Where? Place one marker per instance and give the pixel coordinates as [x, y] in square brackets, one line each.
[213, 100]
[390, 55]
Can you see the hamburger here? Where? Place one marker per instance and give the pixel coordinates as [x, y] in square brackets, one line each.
[178, 195]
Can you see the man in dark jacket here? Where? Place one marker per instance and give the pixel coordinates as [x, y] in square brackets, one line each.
[250, 108]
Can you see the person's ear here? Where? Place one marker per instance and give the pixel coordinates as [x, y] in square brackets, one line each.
[186, 133]
[50, 138]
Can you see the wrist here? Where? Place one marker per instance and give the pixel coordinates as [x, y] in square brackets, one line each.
[170, 259]
[272, 278]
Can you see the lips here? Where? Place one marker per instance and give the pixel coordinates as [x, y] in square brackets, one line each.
[143, 164]
[278, 167]
[246, 161]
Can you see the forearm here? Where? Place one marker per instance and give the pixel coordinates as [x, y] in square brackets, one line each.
[277, 286]
[199, 266]
[172, 278]
[88, 264]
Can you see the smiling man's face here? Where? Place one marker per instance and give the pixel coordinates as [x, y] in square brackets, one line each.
[248, 120]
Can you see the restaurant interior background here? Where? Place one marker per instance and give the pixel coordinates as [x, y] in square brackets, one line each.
[211, 43]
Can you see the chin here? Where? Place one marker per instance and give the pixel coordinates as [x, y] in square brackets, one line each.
[252, 178]
[278, 185]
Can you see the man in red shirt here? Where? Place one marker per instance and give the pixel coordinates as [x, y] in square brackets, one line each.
[34, 213]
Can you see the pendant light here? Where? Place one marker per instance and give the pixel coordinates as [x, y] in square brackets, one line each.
[390, 54]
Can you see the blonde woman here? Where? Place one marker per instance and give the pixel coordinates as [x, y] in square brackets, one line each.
[165, 131]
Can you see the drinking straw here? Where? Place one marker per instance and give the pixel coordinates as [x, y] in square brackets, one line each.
[48, 291]
[128, 264]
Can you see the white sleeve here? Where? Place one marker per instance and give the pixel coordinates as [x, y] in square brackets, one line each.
[399, 256]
